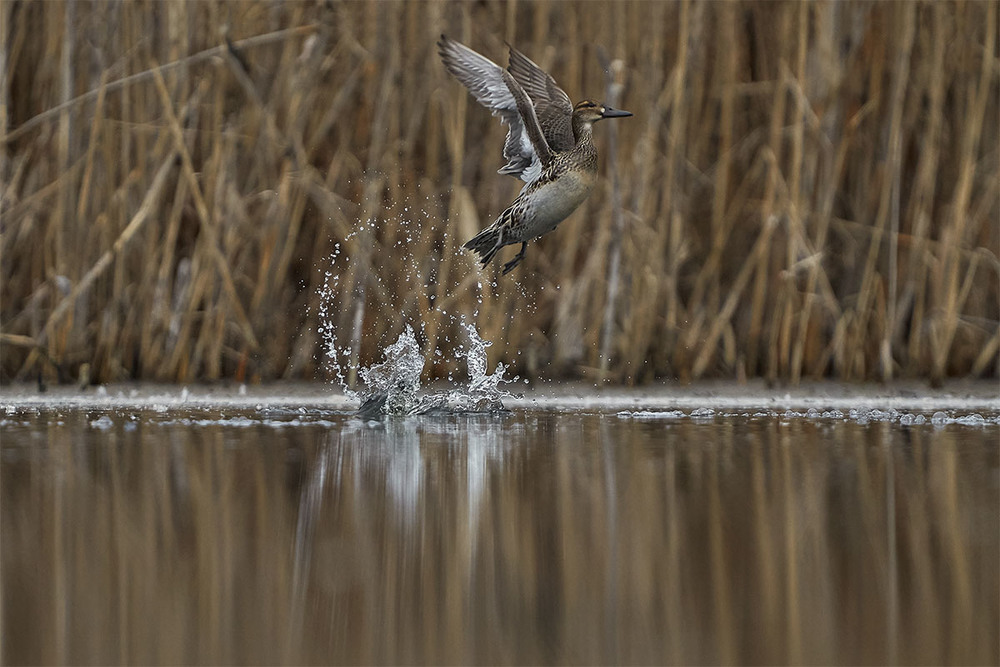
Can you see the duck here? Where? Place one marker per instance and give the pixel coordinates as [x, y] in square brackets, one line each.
[549, 144]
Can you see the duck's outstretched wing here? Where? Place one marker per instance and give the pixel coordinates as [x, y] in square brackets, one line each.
[526, 149]
[552, 105]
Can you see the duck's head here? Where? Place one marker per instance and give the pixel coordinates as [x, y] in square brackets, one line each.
[590, 111]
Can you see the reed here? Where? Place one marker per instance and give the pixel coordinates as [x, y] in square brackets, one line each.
[807, 190]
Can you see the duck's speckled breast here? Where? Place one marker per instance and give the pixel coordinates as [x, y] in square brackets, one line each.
[552, 202]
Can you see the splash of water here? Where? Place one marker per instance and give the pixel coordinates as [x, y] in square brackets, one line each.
[484, 392]
[392, 386]
[395, 382]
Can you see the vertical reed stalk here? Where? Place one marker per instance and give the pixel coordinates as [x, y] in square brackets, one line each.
[613, 86]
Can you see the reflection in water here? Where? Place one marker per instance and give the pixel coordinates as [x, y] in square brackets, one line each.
[532, 538]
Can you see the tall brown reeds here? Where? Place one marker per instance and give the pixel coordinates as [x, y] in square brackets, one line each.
[806, 189]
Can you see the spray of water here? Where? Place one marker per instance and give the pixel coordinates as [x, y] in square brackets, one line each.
[393, 386]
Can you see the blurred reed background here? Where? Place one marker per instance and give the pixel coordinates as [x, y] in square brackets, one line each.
[806, 190]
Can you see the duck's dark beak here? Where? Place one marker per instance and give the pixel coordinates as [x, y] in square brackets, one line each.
[615, 113]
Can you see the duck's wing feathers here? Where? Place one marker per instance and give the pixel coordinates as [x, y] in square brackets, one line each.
[525, 148]
[552, 105]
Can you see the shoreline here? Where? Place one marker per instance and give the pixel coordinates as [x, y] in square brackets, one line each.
[967, 395]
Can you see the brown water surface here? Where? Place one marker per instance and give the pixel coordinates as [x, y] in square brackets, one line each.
[235, 536]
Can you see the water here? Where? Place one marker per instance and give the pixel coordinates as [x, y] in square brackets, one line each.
[392, 386]
[184, 527]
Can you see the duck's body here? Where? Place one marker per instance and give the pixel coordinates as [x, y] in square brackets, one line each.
[541, 205]
[549, 146]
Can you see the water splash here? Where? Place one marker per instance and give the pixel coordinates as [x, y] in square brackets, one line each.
[484, 392]
[392, 386]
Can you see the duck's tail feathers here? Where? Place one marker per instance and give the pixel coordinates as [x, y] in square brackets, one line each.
[486, 243]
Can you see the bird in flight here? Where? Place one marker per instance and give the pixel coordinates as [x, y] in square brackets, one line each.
[549, 146]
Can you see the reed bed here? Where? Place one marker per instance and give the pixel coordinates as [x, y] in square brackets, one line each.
[806, 190]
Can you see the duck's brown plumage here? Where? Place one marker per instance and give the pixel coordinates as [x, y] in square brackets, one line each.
[549, 145]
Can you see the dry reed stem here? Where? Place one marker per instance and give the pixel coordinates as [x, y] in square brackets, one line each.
[980, 92]
[613, 89]
[126, 82]
[211, 242]
[138, 220]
